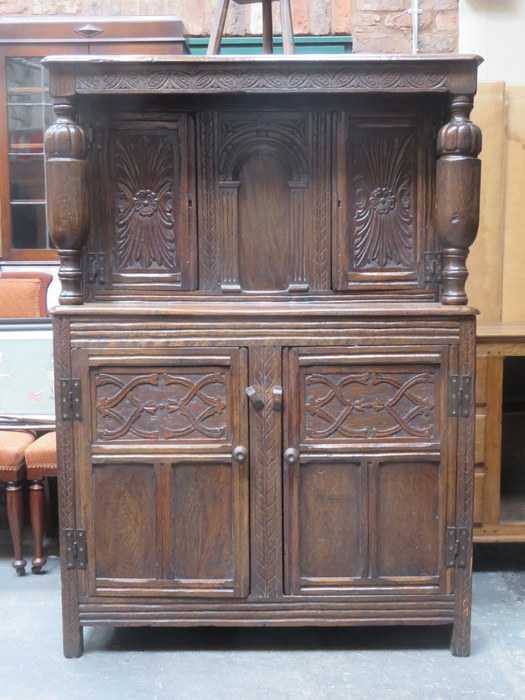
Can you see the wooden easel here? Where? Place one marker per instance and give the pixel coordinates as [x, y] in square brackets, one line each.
[286, 21]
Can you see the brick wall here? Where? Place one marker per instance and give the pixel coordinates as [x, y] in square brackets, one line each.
[376, 25]
[385, 26]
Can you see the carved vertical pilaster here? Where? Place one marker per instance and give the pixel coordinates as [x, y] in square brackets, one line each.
[298, 237]
[67, 205]
[266, 475]
[230, 236]
[207, 193]
[73, 636]
[458, 172]
[465, 498]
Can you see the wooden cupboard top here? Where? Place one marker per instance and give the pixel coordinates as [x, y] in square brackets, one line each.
[266, 74]
[209, 307]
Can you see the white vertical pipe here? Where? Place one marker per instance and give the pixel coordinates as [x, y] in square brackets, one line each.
[415, 12]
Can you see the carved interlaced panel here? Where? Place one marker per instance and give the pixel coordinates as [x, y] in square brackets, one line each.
[161, 405]
[144, 206]
[369, 404]
[384, 191]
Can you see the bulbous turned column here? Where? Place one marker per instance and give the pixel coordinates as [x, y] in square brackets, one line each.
[67, 207]
[458, 173]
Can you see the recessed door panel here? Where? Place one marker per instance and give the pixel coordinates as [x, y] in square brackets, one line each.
[203, 509]
[125, 525]
[408, 517]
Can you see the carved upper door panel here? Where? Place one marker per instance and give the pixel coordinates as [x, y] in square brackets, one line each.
[383, 179]
[143, 239]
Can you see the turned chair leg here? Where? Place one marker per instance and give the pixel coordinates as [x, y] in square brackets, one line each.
[15, 516]
[37, 515]
[218, 27]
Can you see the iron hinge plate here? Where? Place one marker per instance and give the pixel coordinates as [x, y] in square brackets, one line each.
[75, 549]
[96, 268]
[70, 399]
[460, 396]
[433, 262]
[457, 541]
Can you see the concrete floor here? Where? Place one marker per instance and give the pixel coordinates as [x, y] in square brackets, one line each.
[245, 664]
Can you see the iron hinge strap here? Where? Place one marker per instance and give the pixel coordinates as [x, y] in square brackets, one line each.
[457, 546]
[70, 399]
[96, 268]
[460, 396]
[433, 264]
[75, 548]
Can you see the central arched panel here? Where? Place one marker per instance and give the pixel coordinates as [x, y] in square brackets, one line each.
[264, 200]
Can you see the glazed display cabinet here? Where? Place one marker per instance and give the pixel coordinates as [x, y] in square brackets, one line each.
[264, 356]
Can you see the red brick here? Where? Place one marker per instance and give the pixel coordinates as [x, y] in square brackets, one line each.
[447, 21]
[364, 42]
[341, 17]
[399, 20]
[378, 5]
[437, 43]
[366, 21]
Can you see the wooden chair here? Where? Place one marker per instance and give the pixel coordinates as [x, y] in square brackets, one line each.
[286, 21]
[22, 295]
[13, 444]
[41, 462]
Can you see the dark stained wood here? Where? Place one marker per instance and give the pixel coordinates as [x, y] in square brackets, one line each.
[266, 435]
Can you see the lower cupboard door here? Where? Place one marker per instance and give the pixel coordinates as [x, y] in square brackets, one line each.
[377, 522]
[174, 527]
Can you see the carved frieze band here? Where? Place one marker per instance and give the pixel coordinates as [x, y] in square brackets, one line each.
[369, 405]
[206, 78]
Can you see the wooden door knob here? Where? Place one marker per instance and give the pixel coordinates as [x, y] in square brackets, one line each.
[240, 454]
[291, 456]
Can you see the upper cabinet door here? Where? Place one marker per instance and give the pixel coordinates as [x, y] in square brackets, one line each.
[143, 237]
[383, 183]
[264, 195]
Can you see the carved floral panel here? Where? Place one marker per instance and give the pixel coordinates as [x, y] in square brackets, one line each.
[162, 404]
[368, 404]
[145, 176]
[383, 206]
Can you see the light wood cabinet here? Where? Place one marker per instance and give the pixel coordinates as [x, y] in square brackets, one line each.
[499, 505]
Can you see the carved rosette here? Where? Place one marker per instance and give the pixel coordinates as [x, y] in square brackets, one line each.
[67, 211]
[458, 173]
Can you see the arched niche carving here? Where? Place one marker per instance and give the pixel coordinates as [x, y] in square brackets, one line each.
[285, 142]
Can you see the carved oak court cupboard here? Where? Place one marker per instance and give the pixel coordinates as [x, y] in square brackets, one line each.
[264, 356]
